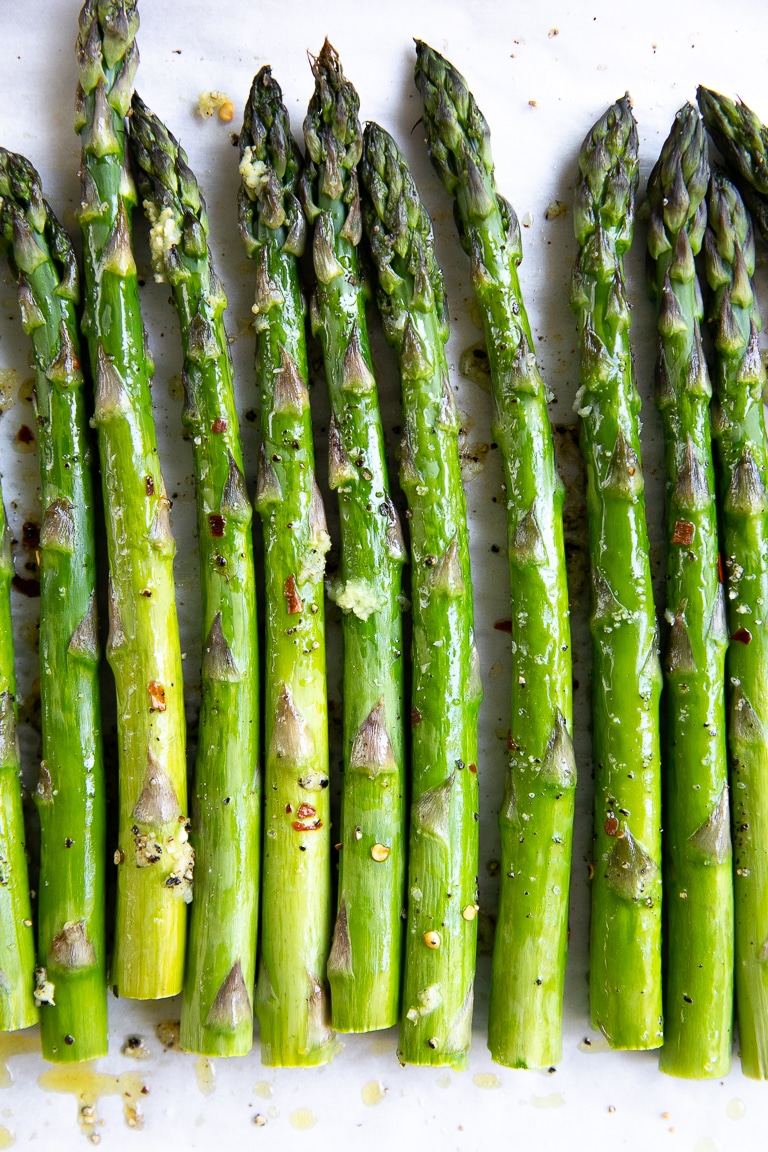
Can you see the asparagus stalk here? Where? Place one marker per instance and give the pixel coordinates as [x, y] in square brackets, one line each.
[742, 457]
[625, 948]
[530, 946]
[291, 994]
[216, 1010]
[71, 978]
[446, 691]
[743, 142]
[153, 855]
[364, 964]
[698, 1005]
[18, 1007]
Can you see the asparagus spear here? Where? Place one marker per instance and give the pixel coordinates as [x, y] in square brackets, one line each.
[743, 141]
[364, 964]
[216, 1011]
[153, 855]
[525, 1015]
[291, 994]
[625, 949]
[697, 865]
[446, 691]
[742, 458]
[71, 978]
[18, 1007]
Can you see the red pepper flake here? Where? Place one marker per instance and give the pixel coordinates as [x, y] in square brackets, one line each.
[511, 745]
[416, 717]
[720, 573]
[149, 485]
[25, 435]
[156, 696]
[219, 425]
[743, 635]
[503, 626]
[295, 604]
[473, 768]
[683, 533]
[611, 826]
[30, 535]
[27, 586]
[304, 811]
[217, 524]
[315, 826]
[288, 809]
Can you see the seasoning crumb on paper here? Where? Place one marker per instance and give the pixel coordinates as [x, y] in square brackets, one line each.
[210, 102]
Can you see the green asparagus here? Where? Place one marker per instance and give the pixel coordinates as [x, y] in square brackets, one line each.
[364, 964]
[738, 426]
[698, 998]
[291, 994]
[216, 1011]
[743, 141]
[154, 857]
[18, 1007]
[625, 946]
[441, 926]
[71, 977]
[536, 818]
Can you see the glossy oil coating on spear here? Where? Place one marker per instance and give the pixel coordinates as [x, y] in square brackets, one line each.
[71, 977]
[738, 425]
[625, 944]
[18, 1006]
[536, 818]
[216, 1011]
[154, 858]
[365, 960]
[291, 994]
[698, 878]
[441, 925]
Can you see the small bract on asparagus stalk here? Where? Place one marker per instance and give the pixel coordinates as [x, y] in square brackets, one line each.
[738, 425]
[625, 945]
[698, 998]
[536, 818]
[441, 931]
[18, 1007]
[216, 1011]
[364, 964]
[291, 994]
[71, 978]
[153, 856]
[742, 139]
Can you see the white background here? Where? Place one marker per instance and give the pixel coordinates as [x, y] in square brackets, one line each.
[542, 73]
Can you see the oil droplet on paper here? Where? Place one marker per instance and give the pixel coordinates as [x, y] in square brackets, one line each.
[16, 1044]
[273, 1112]
[264, 1090]
[444, 1082]
[736, 1109]
[706, 1144]
[594, 1044]
[205, 1074]
[486, 1080]
[554, 1100]
[86, 1085]
[6, 1138]
[373, 1093]
[302, 1118]
[380, 1047]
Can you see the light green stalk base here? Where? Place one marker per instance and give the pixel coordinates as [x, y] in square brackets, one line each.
[17, 942]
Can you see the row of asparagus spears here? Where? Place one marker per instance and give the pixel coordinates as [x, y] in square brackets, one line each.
[412, 912]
